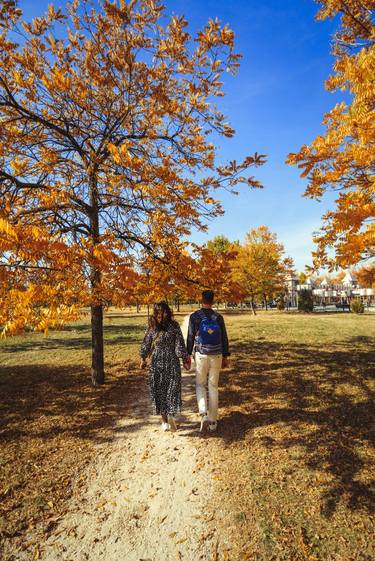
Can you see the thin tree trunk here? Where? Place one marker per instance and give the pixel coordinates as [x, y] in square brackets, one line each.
[253, 307]
[97, 343]
[97, 365]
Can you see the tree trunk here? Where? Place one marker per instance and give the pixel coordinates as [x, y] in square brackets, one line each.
[253, 307]
[97, 343]
[97, 365]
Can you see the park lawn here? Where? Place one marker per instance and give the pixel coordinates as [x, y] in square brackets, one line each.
[294, 456]
[291, 459]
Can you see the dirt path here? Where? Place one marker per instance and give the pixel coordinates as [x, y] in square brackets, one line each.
[147, 496]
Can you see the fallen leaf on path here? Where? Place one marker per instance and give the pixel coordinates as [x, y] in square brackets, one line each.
[100, 504]
[205, 537]
[216, 552]
[173, 534]
[182, 541]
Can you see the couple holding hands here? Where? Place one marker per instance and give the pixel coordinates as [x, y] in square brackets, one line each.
[164, 344]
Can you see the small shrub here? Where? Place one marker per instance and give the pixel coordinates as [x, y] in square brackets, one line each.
[281, 302]
[305, 301]
[357, 306]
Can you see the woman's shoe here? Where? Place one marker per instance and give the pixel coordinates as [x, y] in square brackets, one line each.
[172, 423]
[165, 426]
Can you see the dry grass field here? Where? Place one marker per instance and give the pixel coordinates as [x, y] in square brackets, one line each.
[296, 441]
[294, 449]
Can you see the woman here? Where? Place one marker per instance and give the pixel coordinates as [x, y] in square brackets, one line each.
[165, 344]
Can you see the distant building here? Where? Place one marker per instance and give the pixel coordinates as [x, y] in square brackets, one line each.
[326, 293]
[349, 281]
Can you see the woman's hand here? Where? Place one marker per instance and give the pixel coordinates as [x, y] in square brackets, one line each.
[187, 363]
[143, 364]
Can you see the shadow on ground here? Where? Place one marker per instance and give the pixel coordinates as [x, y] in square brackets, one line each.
[322, 399]
[43, 401]
[52, 421]
[113, 335]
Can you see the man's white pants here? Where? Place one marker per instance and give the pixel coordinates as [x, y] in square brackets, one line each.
[208, 367]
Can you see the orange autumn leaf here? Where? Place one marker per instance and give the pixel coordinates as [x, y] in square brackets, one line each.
[343, 158]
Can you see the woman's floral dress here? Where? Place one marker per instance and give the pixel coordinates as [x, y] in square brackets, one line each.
[166, 347]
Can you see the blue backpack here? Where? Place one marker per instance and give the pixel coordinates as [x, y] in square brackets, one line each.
[208, 337]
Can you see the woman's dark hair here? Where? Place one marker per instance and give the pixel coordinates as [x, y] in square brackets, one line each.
[161, 317]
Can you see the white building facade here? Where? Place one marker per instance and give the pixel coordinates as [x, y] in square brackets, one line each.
[330, 294]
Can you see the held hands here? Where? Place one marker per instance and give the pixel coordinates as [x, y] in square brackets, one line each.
[187, 363]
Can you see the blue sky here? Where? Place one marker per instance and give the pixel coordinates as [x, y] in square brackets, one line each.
[275, 103]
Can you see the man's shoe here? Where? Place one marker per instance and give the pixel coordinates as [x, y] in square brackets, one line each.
[212, 426]
[165, 426]
[204, 423]
[172, 423]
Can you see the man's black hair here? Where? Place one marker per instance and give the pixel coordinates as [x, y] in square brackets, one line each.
[207, 296]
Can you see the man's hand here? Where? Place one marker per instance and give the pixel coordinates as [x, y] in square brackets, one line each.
[142, 364]
[225, 362]
[187, 363]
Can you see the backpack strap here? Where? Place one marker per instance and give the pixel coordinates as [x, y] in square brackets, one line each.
[203, 316]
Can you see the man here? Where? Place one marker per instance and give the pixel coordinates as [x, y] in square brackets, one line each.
[207, 337]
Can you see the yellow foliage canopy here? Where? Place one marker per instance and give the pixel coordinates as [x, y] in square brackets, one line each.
[261, 268]
[103, 127]
[343, 159]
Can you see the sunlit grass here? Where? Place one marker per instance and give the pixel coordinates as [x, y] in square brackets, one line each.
[293, 447]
